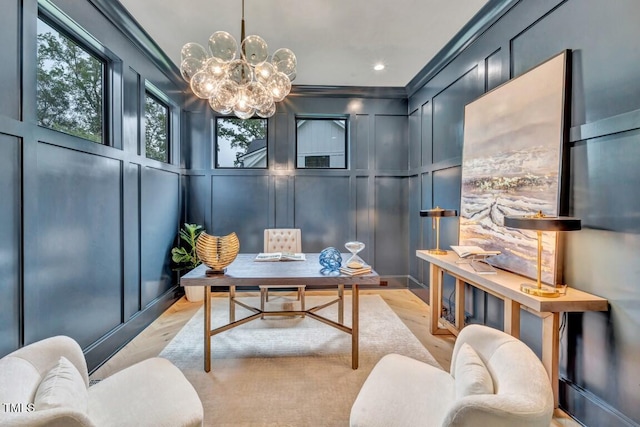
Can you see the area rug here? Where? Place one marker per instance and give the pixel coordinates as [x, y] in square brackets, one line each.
[287, 371]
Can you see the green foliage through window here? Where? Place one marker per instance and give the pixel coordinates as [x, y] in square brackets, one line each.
[156, 130]
[241, 143]
[70, 83]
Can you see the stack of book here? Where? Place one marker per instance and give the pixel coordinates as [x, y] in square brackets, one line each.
[355, 271]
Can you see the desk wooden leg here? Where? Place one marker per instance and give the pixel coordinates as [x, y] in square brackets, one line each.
[435, 295]
[551, 349]
[232, 304]
[512, 317]
[207, 328]
[459, 314]
[354, 325]
[341, 304]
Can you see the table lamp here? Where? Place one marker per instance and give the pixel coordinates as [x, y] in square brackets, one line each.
[435, 214]
[539, 222]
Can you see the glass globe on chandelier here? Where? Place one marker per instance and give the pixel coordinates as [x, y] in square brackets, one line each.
[244, 84]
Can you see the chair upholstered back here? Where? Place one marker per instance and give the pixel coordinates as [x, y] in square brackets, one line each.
[282, 240]
[46, 383]
[523, 394]
[495, 380]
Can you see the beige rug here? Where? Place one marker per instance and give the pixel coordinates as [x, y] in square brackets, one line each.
[287, 371]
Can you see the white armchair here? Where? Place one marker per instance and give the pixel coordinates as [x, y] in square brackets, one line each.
[495, 380]
[46, 384]
[282, 240]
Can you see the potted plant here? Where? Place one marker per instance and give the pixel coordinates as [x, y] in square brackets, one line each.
[186, 258]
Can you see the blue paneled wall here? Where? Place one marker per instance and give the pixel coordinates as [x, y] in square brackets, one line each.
[599, 380]
[85, 228]
[367, 201]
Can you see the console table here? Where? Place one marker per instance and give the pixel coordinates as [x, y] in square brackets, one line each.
[505, 286]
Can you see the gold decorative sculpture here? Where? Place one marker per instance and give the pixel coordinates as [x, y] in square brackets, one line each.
[217, 252]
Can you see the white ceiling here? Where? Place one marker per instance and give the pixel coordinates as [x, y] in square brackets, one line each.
[336, 42]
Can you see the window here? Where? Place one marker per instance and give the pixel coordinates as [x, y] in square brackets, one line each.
[241, 143]
[156, 130]
[70, 85]
[321, 143]
[317, 161]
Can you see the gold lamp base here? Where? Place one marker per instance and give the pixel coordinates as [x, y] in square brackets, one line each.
[437, 251]
[543, 291]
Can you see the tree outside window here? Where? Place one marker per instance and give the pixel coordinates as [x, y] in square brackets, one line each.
[241, 143]
[156, 130]
[70, 86]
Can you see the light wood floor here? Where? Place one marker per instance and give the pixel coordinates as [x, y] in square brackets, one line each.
[411, 310]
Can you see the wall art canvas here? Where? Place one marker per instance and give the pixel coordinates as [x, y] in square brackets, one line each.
[512, 164]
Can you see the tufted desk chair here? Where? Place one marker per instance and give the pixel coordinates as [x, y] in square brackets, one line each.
[282, 240]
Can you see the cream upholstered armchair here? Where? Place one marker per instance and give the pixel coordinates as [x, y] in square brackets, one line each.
[282, 240]
[46, 384]
[495, 380]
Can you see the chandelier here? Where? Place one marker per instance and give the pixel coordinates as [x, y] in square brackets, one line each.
[244, 83]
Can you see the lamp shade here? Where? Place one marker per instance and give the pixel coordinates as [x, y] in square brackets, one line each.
[438, 212]
[540, 222]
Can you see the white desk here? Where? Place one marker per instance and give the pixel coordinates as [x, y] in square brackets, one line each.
[506, 286]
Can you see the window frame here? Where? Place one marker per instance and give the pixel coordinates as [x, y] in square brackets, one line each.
[215, 144]
[52, 16]
[344, 118]
[152, 92]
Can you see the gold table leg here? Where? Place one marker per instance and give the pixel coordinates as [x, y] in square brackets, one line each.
[354, 325]
[232, 304]
[341, 304]
[207, 328]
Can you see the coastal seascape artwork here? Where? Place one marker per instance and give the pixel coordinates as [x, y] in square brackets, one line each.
[511, 165]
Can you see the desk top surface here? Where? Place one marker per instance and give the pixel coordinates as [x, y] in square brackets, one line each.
[245, 271]
[507, 285]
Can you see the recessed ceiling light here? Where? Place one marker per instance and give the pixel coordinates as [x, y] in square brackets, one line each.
[378, 67]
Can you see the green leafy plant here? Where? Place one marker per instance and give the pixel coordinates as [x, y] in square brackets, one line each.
[185, 256]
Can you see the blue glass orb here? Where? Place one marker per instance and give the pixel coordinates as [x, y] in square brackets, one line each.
[330, 259]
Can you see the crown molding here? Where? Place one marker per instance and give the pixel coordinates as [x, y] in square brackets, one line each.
[349, 91]
[481, 22]
[116, 13]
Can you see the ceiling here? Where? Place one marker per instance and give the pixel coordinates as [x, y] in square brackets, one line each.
[336, 42]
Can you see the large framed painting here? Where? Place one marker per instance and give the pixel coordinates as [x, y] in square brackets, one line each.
[512, 162]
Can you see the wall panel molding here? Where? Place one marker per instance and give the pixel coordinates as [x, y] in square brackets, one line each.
[608, 126]
[493, 11]
[584, 404]
[11, 245]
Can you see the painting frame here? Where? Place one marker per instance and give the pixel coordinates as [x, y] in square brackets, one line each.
[514, 162]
